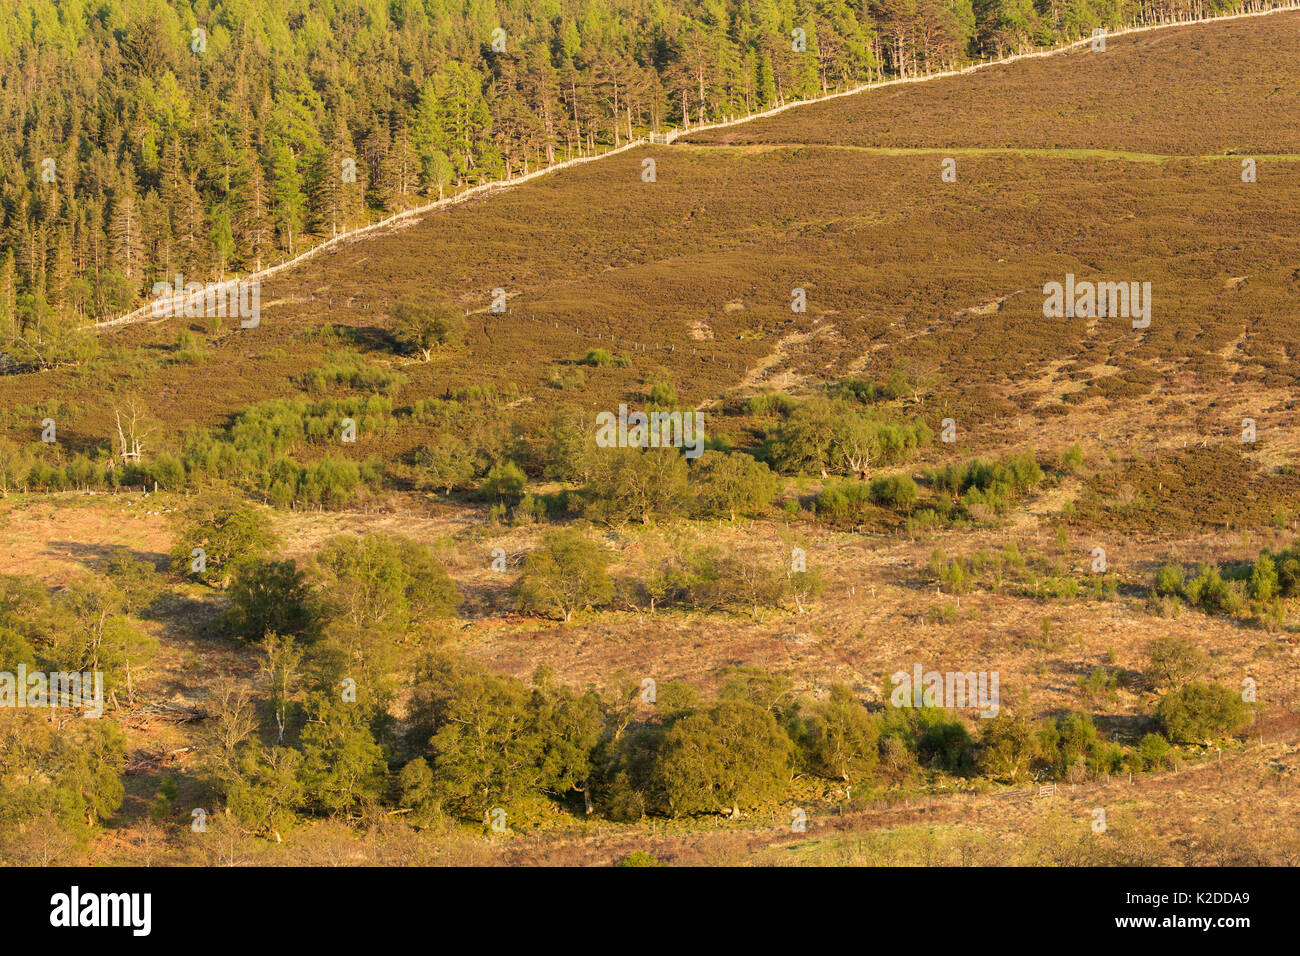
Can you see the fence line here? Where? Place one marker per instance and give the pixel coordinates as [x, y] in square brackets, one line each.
[481, 189]
[590, 335]
[1035, 54]
[632, 344]
[667, 138]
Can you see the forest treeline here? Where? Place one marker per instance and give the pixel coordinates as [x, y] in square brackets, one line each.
[145, 138]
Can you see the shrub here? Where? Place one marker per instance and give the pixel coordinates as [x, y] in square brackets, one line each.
[566, 380]
[770, 403]
[15, 651]
[953, 574]
[1098, 687]
[894, 491]
[565, 447]
[1173, 660]
[1288, 574]
[268, 789]
[1211, 593]
[597, 358]
[991, 483]
[188, 348]
[1072, 459]
[333, 482]
[1264, 583]
[446, 464]
[343, 768]
[168, 471]
[663, 395]
[137, 579]
[1199, 713]
[1153, 752]
[1169, 579]
[639, 858]
[68, 774]
[505, 483]
[347, 368]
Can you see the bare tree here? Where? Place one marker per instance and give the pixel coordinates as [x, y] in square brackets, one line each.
[132, 430]
[234, 720]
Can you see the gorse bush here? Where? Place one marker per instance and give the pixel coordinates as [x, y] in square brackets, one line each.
[346, 369]
[1170, 580]
[490, 394]
[771, 403]
[1029, 575]
[505, 483]
[894, 491]
[1012, 747]
[600, 358]
[255, 451]
[1211, 593]
[662, 395]
[853, 500]
[994, 484]
[1288, 573]
[188, 348]
[264, 431]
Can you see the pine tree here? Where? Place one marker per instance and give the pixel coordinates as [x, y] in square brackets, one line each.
[156, 237]
[252, 224]
[766, 84]
[287, 200]
[8, 305]
[60, 276]
[124, 233]
[222, 240]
